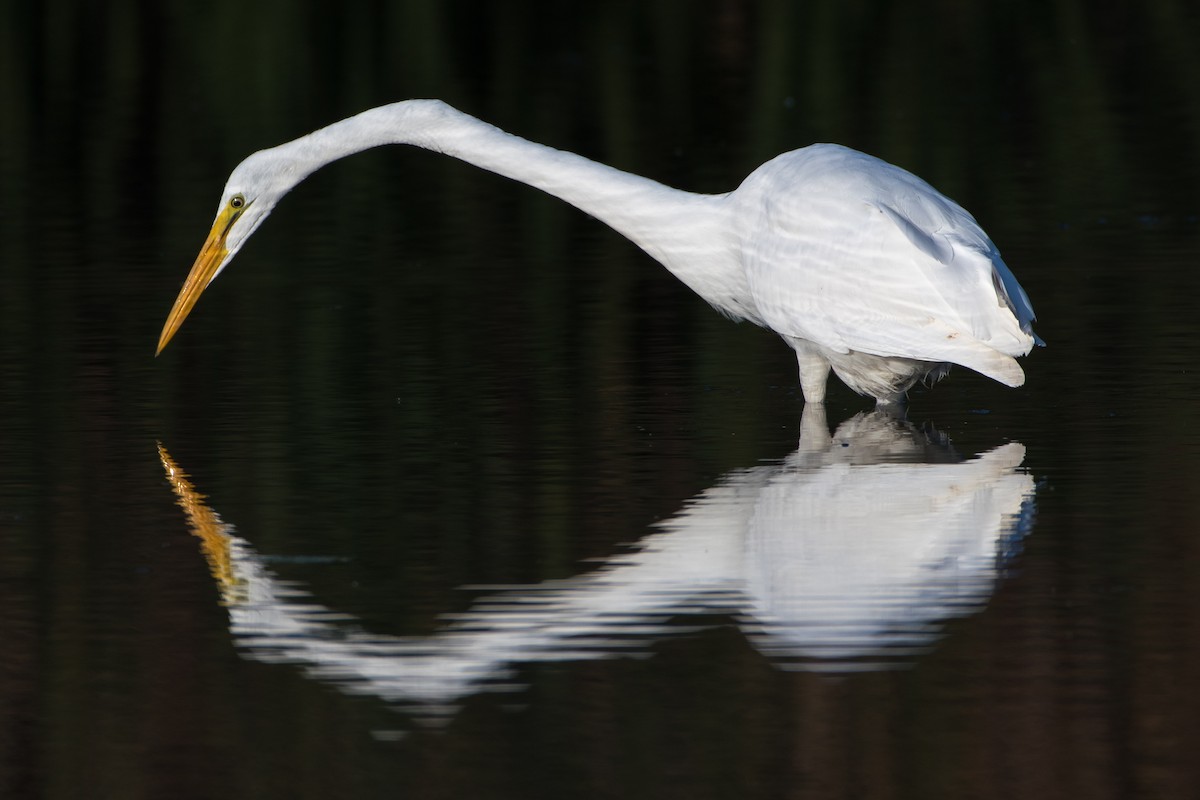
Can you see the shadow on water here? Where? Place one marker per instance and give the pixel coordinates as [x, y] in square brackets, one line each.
[847, 555]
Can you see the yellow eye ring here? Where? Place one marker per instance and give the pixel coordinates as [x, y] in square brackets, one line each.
[237, 201]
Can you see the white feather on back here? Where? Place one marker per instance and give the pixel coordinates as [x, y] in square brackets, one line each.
[858, 255]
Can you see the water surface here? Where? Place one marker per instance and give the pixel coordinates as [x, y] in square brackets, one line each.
[446, 490]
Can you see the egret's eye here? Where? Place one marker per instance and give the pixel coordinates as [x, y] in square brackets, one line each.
[237, 201]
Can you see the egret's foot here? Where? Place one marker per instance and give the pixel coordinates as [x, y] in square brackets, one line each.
[895, 407]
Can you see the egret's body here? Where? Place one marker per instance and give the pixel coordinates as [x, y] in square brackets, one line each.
[861, 266]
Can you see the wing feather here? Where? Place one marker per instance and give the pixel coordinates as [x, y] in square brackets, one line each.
[865, 256]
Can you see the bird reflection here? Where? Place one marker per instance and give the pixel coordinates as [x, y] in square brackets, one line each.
[850, 554]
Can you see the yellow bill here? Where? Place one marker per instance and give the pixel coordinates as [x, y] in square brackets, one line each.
[208, 263]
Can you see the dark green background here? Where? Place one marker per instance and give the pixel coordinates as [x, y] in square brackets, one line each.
[439, 378]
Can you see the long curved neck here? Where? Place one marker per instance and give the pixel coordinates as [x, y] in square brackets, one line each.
[688, 233]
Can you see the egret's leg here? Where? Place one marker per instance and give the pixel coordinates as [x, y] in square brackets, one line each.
[814, 374]
[814, 429]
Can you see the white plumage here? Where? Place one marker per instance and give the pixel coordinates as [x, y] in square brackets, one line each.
[861, 266]
[865, 266]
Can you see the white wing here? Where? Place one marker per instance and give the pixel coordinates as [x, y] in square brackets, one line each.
[853, 253]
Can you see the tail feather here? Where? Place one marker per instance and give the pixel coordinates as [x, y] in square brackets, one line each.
[996, 366]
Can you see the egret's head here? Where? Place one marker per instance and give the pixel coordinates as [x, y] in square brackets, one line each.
[252, 191]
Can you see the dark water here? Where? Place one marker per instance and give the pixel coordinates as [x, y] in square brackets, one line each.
[445, 490]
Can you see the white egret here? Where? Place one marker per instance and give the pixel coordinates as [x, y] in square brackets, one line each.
[859, 265]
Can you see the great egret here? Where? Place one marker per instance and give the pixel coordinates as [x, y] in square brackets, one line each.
[859, 265]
